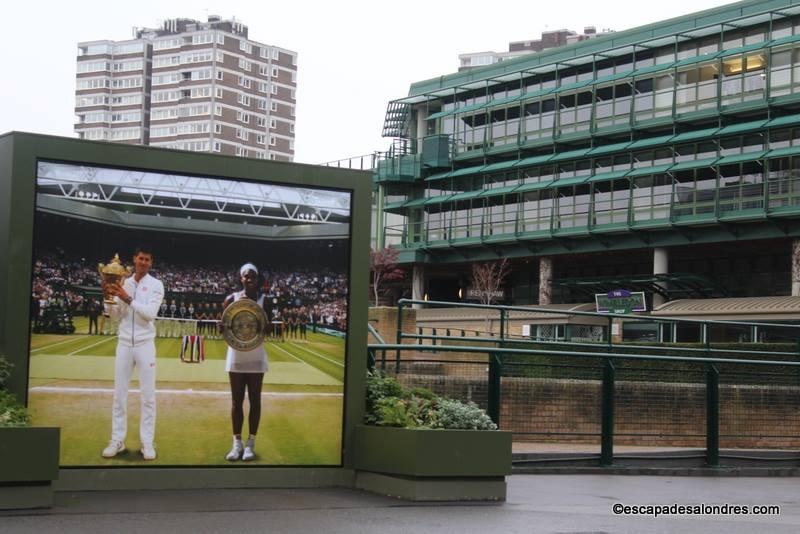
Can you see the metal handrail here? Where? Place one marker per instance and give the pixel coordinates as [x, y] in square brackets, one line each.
[538, 309]
[375, 333]
[495, 366]
[598, 355]
[509, 339]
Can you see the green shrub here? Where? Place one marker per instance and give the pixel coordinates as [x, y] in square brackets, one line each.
[5, 371]
[423, 393]
[457, 415]
[412, 412]
[390, 404]
[380, 386]
[11, 412]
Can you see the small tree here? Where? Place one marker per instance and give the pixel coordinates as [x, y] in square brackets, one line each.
[383, 266]
[487, 278]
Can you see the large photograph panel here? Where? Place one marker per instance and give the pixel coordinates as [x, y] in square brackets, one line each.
[207, 243]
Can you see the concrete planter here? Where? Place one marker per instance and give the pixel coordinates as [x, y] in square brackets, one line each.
[28, 465]
[433, 464]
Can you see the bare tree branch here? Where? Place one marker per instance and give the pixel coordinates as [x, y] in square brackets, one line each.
[488, 277]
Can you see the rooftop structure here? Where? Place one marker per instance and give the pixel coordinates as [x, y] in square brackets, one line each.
[549, 39]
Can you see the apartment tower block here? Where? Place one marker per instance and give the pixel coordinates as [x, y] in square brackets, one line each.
[189, 85]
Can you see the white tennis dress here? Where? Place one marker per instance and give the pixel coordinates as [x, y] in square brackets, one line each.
[251, 361]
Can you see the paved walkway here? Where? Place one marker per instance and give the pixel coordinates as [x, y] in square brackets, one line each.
[536, 503]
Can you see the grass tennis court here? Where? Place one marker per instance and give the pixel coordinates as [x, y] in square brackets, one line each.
[71, 386]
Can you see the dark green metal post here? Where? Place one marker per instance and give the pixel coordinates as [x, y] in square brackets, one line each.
[502, 325]
[495, 372]
[712, 415]
[399, 336]
[607, 417]
[370, 359]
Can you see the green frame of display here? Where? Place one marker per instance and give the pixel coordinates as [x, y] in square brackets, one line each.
[19, 154]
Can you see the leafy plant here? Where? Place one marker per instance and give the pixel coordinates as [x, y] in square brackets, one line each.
[458, 415]
[380, 386]
[391, 404]
[5, 371]
[412, 412]
[11, 412]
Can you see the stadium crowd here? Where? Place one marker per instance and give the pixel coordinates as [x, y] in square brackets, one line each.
[305, 296]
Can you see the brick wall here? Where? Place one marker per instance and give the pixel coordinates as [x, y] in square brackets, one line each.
[646, 413]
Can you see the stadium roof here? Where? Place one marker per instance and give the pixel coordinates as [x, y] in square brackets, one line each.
[149, 199]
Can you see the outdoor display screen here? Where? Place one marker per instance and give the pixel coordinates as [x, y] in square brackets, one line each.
[200, 230]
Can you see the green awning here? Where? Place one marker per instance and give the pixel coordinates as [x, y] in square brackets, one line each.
[696, 134]
[612, 77]
[438, 176]
[651, 69]
[439, 114]
[605, 149]
[742, 127]
[572, 86]
[500, 165]
[467, 170]
[466, 195]
[474, 107]
[784, 152]
[499, 190]
[694, 164]
[650, 141]
[414, 203]
[785, 40]
[607, 176]
[656, 169]
[525, 188]
[533, 160]
[538, 93]
[743, 49]
[438, 199]
[394, 205]
[696, 59]
[786, 120]
[566, 182]
[504, 100]
[738, 158]
[571, 154]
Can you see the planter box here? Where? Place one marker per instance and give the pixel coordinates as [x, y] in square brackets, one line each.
[433, 453]
[28, 465]
[433, 464]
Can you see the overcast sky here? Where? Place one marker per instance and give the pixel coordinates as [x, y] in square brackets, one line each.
[353, 56]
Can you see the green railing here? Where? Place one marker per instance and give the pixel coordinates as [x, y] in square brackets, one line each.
[608, 372]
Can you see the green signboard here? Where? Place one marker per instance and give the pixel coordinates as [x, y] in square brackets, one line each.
[620, 301]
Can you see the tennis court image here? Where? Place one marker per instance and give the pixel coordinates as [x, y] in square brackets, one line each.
[72, 381]
[201, 229]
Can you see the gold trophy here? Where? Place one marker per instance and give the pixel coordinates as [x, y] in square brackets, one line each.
[112, 273]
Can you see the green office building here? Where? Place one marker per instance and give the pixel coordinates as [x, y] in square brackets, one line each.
[664, 158]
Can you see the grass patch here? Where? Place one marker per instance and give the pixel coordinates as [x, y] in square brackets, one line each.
[194, 430]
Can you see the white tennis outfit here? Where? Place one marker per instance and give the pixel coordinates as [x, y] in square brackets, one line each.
[251, 361]
[136, 347]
